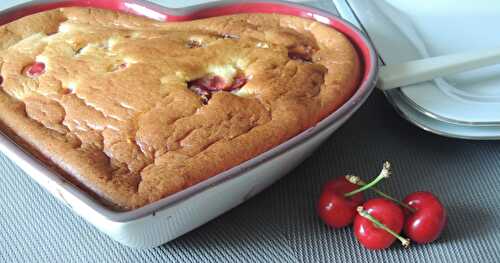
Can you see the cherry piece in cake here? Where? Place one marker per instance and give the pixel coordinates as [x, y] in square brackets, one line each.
[205, 86]
[299, 56]
[217, 83]
[36, 69]
[209, 83]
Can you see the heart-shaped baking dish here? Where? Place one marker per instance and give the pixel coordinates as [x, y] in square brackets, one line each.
[168, 218]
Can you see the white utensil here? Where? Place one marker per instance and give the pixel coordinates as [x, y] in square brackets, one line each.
[398, 75]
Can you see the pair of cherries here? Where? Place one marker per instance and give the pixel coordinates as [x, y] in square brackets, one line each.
[378, 222]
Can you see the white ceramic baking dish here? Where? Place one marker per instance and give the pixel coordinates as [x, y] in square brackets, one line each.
[166, 219]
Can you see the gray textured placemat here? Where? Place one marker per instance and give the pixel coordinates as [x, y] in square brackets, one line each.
[280, 225]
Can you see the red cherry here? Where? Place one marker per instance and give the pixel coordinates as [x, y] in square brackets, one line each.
[378, 224]
[340, 197]
[334, 208]
[36, 69]
[427, 222]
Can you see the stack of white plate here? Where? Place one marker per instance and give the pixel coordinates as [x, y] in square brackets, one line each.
[465, 105]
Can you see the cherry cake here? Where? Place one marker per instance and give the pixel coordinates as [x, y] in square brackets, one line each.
[133, 110]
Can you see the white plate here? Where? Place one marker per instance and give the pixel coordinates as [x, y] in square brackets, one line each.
[431, 124]
[464, 105]
[403, 30]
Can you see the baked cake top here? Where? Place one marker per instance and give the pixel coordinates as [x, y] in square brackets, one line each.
[135, 109]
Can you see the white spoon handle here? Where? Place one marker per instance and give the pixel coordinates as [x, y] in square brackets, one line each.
[398, 75]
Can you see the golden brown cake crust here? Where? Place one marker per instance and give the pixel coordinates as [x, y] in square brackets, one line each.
[114, 110]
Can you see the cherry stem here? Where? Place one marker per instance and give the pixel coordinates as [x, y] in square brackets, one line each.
[385, 173]
[386, 196]
[362, 212]
[356, 180]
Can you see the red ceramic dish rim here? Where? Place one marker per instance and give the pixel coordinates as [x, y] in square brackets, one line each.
[363, 45]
